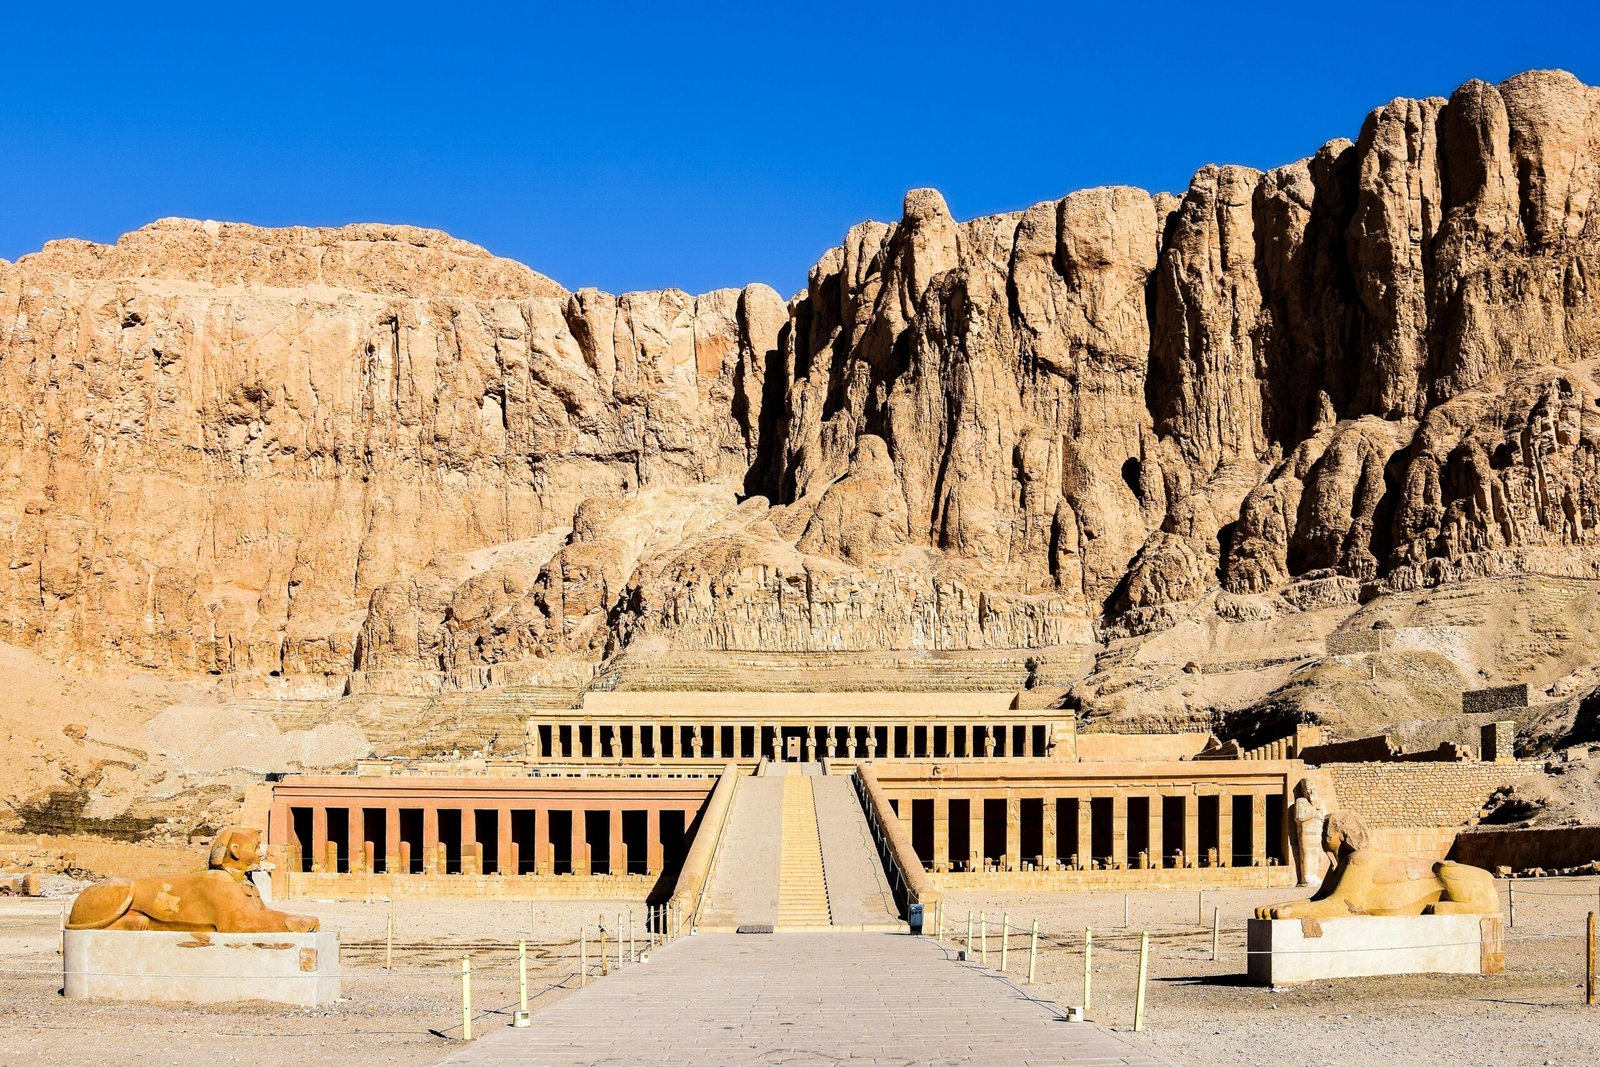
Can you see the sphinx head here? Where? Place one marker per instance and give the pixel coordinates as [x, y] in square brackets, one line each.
[236, 850]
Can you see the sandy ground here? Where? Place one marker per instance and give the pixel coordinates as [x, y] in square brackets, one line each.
[410, 1016]
[1201, 1013]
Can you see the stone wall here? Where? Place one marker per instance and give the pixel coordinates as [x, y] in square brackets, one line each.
[1417, 795]
[1567, 846]
[1500, 698]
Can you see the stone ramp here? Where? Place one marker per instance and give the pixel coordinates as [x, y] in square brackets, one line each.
[822, 998]
[859, 895]
[742, 889]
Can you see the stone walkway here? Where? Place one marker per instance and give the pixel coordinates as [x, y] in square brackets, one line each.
[859, 896]
[824, 998]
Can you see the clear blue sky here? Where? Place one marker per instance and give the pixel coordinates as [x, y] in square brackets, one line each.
[695, 145]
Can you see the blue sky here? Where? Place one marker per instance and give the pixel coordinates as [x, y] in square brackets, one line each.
[638, 146]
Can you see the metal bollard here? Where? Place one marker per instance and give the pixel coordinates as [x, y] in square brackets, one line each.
[1005, 940]
[1033, 950]
[1088, 969]
[522, 975]
[466, 998]
[1144, 971]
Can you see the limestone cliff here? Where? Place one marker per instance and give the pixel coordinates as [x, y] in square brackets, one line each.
[379, 457]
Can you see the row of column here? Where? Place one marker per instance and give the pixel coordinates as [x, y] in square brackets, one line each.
[751, 740]
[1115, 855]
[397, 857]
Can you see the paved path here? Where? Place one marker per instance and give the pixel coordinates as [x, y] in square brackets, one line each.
[793, 999]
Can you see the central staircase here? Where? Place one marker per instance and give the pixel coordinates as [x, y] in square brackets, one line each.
[802, 887]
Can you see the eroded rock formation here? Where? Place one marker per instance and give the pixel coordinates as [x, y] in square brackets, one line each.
[381, 453]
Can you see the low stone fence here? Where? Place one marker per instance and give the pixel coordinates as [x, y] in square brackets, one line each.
[691, 884]
[1522, 850]
[912, 883]
[322, 885]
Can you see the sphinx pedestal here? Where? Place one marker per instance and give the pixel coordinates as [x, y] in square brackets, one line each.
[1287, 951]
[194, 968]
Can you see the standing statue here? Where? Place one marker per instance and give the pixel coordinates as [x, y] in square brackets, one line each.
[220, 899]
[1310, 813]
[1367, 881]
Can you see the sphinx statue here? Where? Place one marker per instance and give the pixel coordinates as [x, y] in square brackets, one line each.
[220, 899]
[1367, 881]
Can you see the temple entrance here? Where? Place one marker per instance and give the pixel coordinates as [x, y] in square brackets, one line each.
[791, 749]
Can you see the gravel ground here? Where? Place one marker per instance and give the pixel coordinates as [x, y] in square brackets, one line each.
[1198, 1013]
[1201, 1013]
[410, 1016]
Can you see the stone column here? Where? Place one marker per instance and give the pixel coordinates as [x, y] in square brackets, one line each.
[1225, 830]
[941, 832]
[430, 840]
[654, 857]
[614, 821]
[1014, 833]
[1027, 740]
[1258, 830]
[1156, 832]
[850, 742]
[534, 751]
[319, 837]
[1048, 845]
[1119, 831]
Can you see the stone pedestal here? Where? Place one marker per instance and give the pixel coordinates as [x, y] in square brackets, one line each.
[191, 968]
[1288, 951]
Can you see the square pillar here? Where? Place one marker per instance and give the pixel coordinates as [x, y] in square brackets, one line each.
[391, 841]
[580, 850]
[941, 833]
[1013, 833]
[319, 838]
[1258, 830]
[654, 857]
[1191, 830]
[430, 840]
[975, 828]
[1119, 831]
[1225, 830]
[503, 846]
[1085, 831]
[1048, 844]
[541, 842]
[1157, 832]
[614, 822]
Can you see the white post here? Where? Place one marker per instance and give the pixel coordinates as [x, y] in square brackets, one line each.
[388, 945]
[1088, 968]
[983, 938]
[466, 998]
[583, 959]
[969, 935]
[633, 953]
[1005, 940]
[619, 941]
[1124, 911]
[1144, 970]
[522, 975]
[1033, 951]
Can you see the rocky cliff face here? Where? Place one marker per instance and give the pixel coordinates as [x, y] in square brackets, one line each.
[380, 457]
